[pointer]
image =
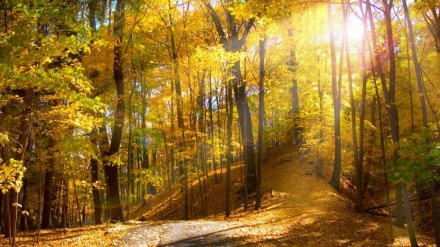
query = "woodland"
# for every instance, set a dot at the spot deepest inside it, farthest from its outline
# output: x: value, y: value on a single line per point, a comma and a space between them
x: 105, y: 104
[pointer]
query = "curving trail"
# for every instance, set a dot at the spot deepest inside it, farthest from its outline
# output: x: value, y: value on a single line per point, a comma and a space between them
x: 302, y: 210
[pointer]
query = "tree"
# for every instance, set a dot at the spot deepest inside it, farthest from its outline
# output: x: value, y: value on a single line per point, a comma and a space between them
x: 14, y: 184
x: 260, y: 121
x: 422, y: 95
x: 336, y: 93
x: 231, y: 42
x: 110, y: 168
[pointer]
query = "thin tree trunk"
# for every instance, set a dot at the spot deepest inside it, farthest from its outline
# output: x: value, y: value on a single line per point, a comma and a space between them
x: 435, y: 213
x: 130, y: 150
x: 40, y: 190
x: 383, y: 152
x: 357, y: 159
x: 295, y: 96
x: 22, y: 139
x: 378, y: 68
x: 64, y: 187
x: 422, y: 95
x: 2, y: 215
x: 24, y: 217
x: 229, y: 110
x: 96, y: 185
x: 94, y: 137
x: 389, y: 94
x: 336, y: 92
x: 393, y: 117
x: 260, y: 121
x: 49, y: 187
x: 409, y: 220
x: 78, y: 208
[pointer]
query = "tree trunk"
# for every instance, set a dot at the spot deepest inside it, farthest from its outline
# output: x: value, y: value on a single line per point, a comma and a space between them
x: 356, y: 158
x: 110, y: 169
x: 46, y: 221
x: 295, y: 96
x: 383, y: 152
x: 336, y: 92
x: 260, y: 121
x: 130, y: 151
x: 433, y: 23
x: 422, y: 95
x: 64, y: 187
x: 2, y: 215
x: 229, y: 111
x: 233, y: 44
x: 24, y: 217
x: 409, y: 220
x: 244, y: 118
x: 435, y: 213
x: 389, y: 93
x: 22, y: 139
x: 96, y: 191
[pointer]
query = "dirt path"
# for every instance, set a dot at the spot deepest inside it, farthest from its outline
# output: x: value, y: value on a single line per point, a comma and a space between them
x: 302, y: 210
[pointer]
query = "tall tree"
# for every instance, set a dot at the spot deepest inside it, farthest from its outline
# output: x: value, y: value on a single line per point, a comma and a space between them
x: 431, y: 15
x: 22, y: 139
x: 356, y: 158
x: 232, y: 42
x: 260, y: 120
x: 49, y: 190
x: 110, y: 168
x: 230, y: 111
x: 336, y: 93
x: 295, y: 95
x: 94, y: 135
x: 389, y: 91
x: 422, y: 95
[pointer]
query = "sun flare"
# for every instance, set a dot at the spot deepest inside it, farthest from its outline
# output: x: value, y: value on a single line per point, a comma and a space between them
x: 354, y: 30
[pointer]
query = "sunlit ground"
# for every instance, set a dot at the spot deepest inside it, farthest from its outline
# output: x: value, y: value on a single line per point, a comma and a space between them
x: 302, y: 210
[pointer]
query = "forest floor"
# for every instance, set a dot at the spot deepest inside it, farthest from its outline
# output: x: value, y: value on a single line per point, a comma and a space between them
x: 299, y: 209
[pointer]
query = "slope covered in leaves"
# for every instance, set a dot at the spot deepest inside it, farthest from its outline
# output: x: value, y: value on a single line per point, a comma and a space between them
x: 299, y: 209
x: 305, y: 211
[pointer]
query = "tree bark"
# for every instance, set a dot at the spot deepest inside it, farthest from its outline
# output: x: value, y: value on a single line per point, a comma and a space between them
x: 295, y: 96
x: 96, y: 192
x: 110, y: 169
x: 390, y: 93
x: 24, y: 217
x: 2, y: 215
x: 64, y: 187
x: 422, y: 95
x: 22, y: 139
x: 336, y: 92
x: 46, y: 221
x: 409, y: 220
x: 229, y: 111
x: 260, y: 121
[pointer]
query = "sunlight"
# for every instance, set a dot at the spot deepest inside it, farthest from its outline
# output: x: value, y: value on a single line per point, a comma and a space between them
x: 354, y: 30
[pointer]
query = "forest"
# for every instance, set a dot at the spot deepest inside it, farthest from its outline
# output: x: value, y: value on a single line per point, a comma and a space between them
x: 105, y: 104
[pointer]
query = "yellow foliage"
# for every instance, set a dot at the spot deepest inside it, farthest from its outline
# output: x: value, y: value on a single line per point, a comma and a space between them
x: 11, y: 175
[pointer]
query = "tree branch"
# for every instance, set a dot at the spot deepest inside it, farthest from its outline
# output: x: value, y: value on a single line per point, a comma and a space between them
x: 217, y: 23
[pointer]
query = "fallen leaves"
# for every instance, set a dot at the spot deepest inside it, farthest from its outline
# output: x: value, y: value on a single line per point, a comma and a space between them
x: 299, y: 210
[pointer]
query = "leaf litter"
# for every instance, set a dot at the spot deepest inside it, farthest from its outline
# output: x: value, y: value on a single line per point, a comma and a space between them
x: 299, y: 209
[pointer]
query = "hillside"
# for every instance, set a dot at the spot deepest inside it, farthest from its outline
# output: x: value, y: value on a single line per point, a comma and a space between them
x: 299, y: 209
